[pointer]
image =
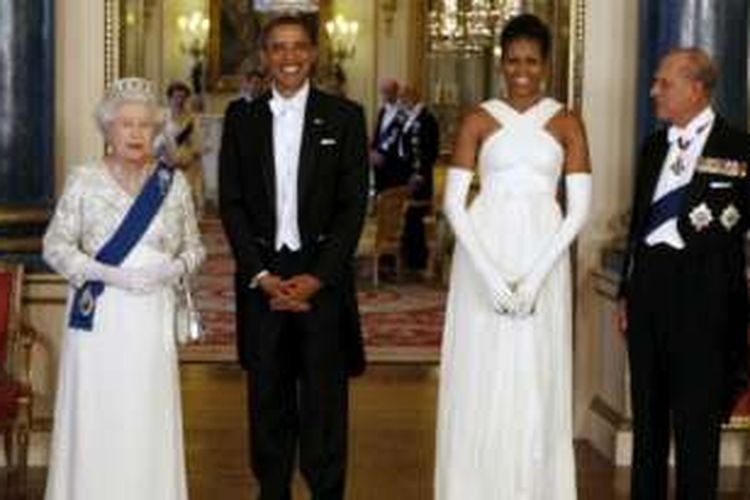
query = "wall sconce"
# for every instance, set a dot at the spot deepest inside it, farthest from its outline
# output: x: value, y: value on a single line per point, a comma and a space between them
x: 343, y: 36
x: 389, y: 8
x: 193, y: 33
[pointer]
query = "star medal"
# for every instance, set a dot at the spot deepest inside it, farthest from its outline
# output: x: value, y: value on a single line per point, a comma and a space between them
x: 701, y: 217
x: 730, y: 216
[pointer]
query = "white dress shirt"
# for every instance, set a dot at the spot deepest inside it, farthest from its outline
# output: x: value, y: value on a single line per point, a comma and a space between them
x: 288, y: 122
x: 696, y: 133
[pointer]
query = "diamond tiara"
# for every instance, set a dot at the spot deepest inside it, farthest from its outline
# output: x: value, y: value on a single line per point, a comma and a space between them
x: 132, y: 88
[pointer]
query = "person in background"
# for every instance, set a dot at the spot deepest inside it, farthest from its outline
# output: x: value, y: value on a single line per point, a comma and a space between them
x: 180, y: 143
x: 418, y: 148
x: 387, y: 168
x: 253, y: 85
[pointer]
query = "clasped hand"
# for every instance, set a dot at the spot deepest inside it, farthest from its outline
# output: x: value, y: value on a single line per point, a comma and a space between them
x: 516, y: 299
x: 291, y: 295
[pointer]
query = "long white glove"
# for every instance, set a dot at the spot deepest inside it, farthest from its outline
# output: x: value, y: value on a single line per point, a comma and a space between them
x: 166, y: 274
x: 578, y: 201
x: 454, y: 205
x: 136, y: 280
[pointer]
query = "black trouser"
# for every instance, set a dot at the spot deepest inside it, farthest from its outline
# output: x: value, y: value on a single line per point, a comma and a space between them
x: 298, y: 393
x: 676, y: 313
x: 413, y: 241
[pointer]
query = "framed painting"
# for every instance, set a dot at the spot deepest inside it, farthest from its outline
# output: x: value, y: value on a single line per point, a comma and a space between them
x: 234, y: 40
x: 233, y: 46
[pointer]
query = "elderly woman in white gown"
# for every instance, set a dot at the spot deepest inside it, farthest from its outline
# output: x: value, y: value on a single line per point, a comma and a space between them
x: 124, y: 232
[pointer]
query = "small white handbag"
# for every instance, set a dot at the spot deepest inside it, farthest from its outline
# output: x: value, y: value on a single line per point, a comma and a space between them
x: 188, y: 324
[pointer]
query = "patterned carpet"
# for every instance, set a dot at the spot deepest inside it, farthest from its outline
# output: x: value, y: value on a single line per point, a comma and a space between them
x: 401, y: 323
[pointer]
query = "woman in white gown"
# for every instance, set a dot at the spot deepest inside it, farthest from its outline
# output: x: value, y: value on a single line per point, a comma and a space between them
x: 504, y: 416
x: 117, y: 423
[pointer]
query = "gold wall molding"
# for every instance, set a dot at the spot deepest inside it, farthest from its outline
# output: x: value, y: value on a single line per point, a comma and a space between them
x: 111, y: 41
x: 24, y: 215
x: 21, y: 245
x: 577, y: 53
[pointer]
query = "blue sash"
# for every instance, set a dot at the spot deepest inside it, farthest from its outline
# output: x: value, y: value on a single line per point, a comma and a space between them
x: 128, y: 234
x: 184, y: 134
x: 665, y: 208
x: 388, y: 137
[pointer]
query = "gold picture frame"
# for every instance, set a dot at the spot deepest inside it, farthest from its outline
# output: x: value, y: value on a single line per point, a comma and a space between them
x: 234, y: 44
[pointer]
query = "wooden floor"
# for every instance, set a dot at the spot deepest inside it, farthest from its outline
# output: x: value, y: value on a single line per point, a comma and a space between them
x: 391, y: 444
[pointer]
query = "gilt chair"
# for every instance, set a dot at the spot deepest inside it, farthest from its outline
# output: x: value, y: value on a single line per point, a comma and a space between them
x: 16, y: 342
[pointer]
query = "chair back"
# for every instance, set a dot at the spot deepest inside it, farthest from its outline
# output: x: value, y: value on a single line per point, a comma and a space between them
x: 390, y: 208
x: 11, y: 280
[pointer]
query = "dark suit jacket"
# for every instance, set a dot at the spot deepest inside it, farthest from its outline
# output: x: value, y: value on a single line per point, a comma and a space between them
x: 419, y: 147
x: 718, y: 191
x: 332, y: 195
x: 239, y: 102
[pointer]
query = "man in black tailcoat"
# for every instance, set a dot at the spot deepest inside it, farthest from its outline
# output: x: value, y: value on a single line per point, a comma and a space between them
x: 293, y: 188
x: 684, y: 292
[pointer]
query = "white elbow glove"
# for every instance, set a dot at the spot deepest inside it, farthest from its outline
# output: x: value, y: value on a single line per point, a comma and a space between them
x: 118, y: 277
x: 578, y: 201
x: 167, y: 274
x: 136, y: 280
x: 457, y: 187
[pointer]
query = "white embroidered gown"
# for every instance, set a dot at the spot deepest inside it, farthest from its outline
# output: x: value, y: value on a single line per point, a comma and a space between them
x: 504, y: 418
x: 117, y: 424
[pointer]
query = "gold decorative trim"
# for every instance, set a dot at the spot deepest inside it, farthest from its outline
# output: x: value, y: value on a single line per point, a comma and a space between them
x: 44, y: 301
x: 29, y: 215
x: 613, y: 417
x: 21, y: 245
x: 577, y: 53
x: 605, y: 294
x: 111, y: 37
x: 44, y: 279
x: 738, y: 424
x: 417, y: 48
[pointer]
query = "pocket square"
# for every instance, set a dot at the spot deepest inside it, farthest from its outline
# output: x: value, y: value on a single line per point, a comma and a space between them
x: 327, y: 141
x: 719, y: 185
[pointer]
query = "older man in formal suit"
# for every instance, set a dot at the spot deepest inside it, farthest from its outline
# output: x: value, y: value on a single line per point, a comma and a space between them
x: 293, y: 188
x: 417, y: 148
x: 684, y: 291
x: 387, y: 167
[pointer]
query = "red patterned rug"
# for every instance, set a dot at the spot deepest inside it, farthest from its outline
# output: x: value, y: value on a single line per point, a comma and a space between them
x: 401, y: 322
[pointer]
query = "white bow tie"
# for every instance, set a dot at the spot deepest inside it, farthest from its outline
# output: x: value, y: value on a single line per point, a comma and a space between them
x: 675, y: 133
x: 280, y: 107
x: 684, y: 136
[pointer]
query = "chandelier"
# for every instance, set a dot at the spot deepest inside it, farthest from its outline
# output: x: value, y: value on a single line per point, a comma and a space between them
x: 286, y: 6
x: 467, y: 25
